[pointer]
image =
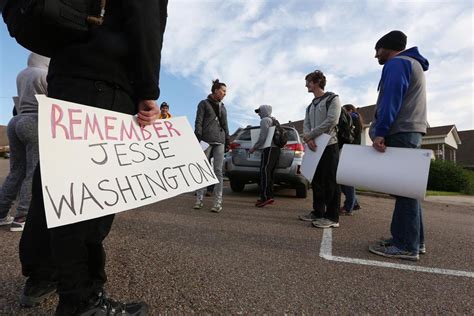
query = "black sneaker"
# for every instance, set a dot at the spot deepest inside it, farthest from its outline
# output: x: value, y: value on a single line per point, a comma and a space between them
x: 108, y: 307
x: 36, y: 292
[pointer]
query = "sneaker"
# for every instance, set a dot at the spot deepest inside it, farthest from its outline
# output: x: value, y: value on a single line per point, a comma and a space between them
x: 310, y: 217
x: 18, y: 224
x: 104, y: 306
x: 198, y: 205
x: 393, y: 252
x: 36, y: 292
x: 325, y: 223
x: 386, y: 242
x: 7, y: 220
x: 216, y: 208
x: 261, y: 203
x: 208, y: 193
x: 356, y: 207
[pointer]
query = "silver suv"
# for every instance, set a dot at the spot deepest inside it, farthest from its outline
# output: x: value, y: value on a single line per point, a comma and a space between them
x: 243, y: 168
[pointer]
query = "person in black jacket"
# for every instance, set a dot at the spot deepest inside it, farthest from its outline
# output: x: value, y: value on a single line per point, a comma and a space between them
x: 115, y: 68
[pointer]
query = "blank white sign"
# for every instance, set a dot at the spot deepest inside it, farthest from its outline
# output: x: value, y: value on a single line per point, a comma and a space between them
x: 397, y: 171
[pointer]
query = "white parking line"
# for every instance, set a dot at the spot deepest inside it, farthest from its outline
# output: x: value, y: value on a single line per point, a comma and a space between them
x: 326, y: 253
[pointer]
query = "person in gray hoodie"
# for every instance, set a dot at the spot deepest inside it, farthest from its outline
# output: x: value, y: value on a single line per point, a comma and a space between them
x: 322, y: 116
x: 23, y: 140
x: 270, y: 156
x: 400, y: 121
x: 211, y: 127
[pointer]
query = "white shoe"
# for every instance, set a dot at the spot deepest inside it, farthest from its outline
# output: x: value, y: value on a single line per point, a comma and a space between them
x: 325, y: 223
x: 198, y: 205
x: 216, y: 208
x: 17, y: 226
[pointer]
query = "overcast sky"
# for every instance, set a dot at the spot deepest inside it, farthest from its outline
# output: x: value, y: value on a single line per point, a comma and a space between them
x: 262, y: 50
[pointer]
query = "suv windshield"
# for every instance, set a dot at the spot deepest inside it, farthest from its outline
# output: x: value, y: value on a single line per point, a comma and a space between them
x: 245, y: 135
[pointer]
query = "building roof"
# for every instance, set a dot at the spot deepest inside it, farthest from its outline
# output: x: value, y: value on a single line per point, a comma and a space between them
x: 439, y: 130
x: 465, y: 153
x: 367, y: 113
x: 298, y: 125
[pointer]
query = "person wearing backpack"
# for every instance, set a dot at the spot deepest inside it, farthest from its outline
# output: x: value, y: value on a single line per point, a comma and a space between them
x: 269, y: 158
x: 322, y: 116
x: 350, y: 202
x: 116, y: 67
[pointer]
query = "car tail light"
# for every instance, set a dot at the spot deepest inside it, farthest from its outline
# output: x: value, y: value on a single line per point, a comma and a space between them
x: 233, y: 146
x: 294, y: 147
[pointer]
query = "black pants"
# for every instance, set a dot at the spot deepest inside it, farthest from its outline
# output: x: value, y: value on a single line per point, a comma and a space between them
x: 268, y: 164
x: 326, y: 192
x: 73, y: 253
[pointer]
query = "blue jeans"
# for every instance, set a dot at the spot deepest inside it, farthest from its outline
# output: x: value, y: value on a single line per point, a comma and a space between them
x: 407, y: 224
x: 350, y: 197
x: 215, y: 151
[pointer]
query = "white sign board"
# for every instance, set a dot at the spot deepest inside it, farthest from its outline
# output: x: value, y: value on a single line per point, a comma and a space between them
x: 255, y: 134
x: 397, y: 171
x: 312, y: 158
x: 96, y: 162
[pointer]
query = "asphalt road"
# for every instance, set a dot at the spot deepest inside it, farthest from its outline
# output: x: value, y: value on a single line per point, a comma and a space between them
x: 249, y: 260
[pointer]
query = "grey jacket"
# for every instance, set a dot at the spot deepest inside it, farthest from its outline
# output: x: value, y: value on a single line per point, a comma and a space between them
x: 401, y: 103
x: 31, y: 81
x: 207, y: 126
x: 318, y: 120
x: 265, y: 112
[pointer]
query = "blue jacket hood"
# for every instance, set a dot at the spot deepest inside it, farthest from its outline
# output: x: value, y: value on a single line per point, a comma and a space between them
x: 414, y: 53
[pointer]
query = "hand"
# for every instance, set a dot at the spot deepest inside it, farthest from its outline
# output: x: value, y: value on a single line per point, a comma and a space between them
x: 379, y: 144
x: 312, y: 145
x: 148, y: 112
x: 251, y: 150
x: 306, y: 138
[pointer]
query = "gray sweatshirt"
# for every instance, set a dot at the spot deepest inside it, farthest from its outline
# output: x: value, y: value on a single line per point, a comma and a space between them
x: 318, y: 120
x: 31, y: 81
x: 265, y: 112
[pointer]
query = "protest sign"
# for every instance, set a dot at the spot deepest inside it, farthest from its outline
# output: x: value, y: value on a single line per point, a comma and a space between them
x: 255, y: 134
x: 398, y: 171
x: 311, y: 158
x: 96, y: 162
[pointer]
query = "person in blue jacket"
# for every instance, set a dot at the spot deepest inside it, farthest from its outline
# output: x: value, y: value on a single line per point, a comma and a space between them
x: 400, y: 121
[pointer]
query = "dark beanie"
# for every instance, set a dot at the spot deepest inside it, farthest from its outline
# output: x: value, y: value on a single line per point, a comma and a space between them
x: 395, y: 40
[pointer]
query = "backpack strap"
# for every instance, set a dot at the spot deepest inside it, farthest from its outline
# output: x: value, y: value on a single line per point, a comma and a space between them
x: 329, y: 100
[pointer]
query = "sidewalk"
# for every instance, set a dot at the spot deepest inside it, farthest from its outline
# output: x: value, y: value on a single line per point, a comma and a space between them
x: 452, y: 199
x: 467, y: 200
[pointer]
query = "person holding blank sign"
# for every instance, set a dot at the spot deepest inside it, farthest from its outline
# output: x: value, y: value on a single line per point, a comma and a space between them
x: 322, y: 116
x: 400, y: 121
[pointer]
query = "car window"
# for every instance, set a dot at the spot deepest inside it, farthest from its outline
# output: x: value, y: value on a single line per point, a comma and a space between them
x: 245, y: 135
x: 292, y: 136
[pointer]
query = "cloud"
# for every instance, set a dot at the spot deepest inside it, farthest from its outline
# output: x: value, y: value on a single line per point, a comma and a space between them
x: 264, y: 49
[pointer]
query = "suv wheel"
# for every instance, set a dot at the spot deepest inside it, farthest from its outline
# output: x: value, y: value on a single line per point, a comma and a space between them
x: 301, y: 191
x: 236, y: 185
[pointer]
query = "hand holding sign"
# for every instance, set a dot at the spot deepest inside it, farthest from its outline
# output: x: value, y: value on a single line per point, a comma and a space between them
x: 148, y: 112
x: 117, y: 165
